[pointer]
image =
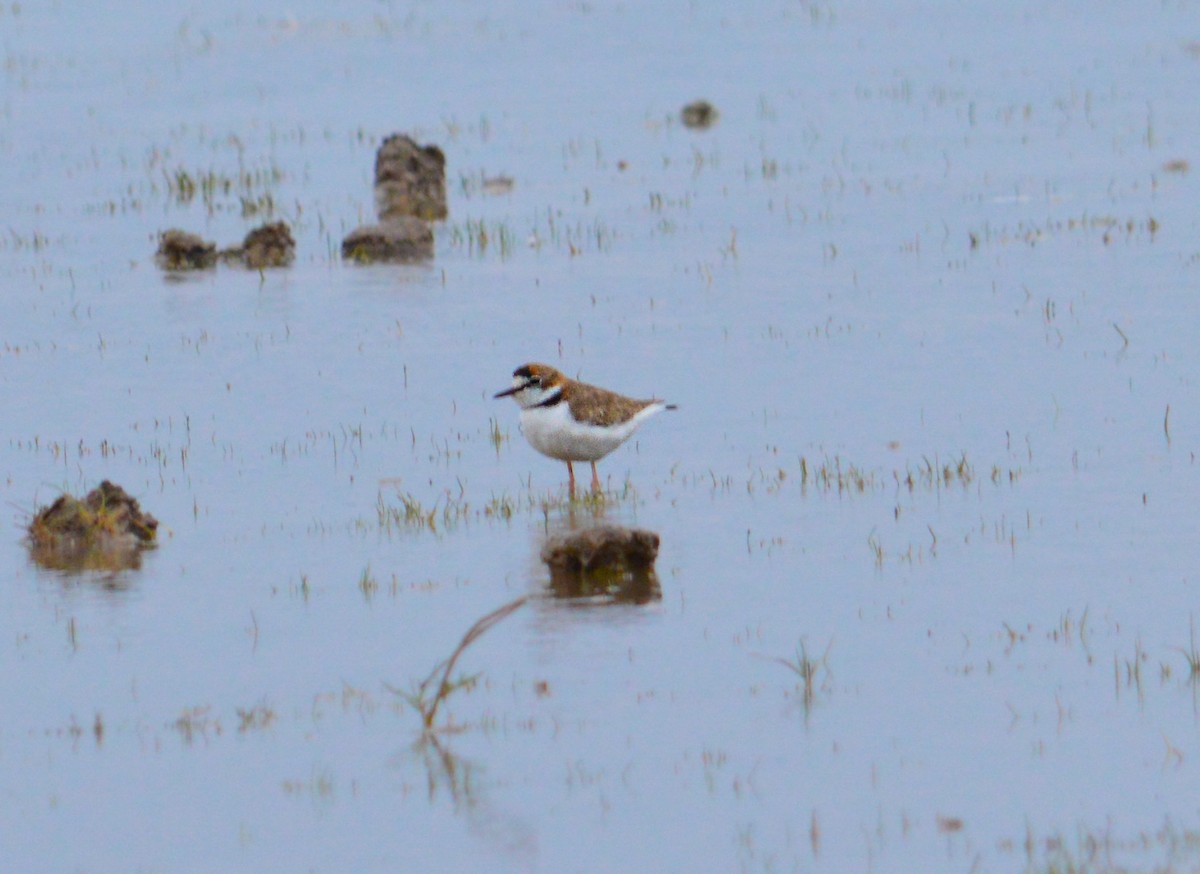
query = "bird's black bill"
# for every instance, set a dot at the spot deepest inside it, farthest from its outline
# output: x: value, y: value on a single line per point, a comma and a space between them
x: 507, y: 392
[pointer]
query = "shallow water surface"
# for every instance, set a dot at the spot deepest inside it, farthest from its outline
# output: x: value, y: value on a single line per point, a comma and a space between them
x: 924, y: 296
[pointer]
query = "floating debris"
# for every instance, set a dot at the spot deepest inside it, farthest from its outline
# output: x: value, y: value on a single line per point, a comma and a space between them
x: 107, y: 530
x: 402, y: 239
x: 609, y: 560
x: 179, y: 250
x: 270, y: 245
x: 410, y: 180
x: 699, y: 115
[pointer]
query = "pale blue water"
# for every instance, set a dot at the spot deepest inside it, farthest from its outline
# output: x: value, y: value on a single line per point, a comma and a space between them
x: 800, y: 279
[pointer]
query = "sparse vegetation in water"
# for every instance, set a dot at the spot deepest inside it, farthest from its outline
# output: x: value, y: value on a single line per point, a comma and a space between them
x: 806, y: 668
x: 1127, y: 672
x: 476, y: 235
x: 481, y: 183
x: 1191, y: 653
x: 497, y: 437
x: 837, y: 475
x: 876, y: 547
x: 1167, y: 849
x: 1069, y: 630
x: 1110, y: 227
x: 449, y: 510
x: 256, y: 718
x: 247, y: 191
x: 481, y: 236
x: 320, y: 786
x: 196, y: 723
x: 428, y: 696
x: 367, y: 584
x: 936, y: 473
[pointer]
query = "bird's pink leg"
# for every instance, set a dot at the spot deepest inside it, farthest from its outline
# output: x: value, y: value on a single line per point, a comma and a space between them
x: 595, y: 478
x: 571, y: 475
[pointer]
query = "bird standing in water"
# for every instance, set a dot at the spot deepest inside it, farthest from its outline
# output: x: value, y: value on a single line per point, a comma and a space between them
x: 574, y: 421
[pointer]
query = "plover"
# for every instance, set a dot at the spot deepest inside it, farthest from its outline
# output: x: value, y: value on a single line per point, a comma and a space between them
x: 574, y: 421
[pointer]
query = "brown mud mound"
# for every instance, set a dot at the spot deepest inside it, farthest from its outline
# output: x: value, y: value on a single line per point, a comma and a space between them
x: 410, y: 191
x: 267, y: 246
x: 606, y: 560
x: 699, y: 115
x: 270, y: 245
x: 105, y: 531
x: 410, y: 179
x: 179, y: 250
x: 402, y: 239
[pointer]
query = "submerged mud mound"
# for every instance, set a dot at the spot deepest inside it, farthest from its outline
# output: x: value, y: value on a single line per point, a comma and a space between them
x: 270, y: 245
x: 107, y: 530
x: 403, y: 239
x: 410, y: 192
x: 179, y: 250
x: 699, y: 115
x: 410, y: 179
x: 607, y: 560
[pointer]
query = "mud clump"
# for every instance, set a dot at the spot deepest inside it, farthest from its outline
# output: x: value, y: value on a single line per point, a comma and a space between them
x: 699, y: 115
x: 267, y: 246
x: 179, y: 250
x: 106, y: 530
x: 410, y: 192
x: 410, y: 180
x: 402, y: 239
x: 270, y: 245
x: 606, y: 560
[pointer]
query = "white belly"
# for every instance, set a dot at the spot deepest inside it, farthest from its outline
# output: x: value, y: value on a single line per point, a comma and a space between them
x: 552, y: 431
